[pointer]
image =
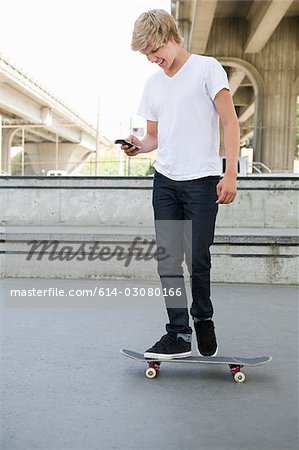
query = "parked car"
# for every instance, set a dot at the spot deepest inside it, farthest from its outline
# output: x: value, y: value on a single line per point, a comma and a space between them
x: 56, y: 173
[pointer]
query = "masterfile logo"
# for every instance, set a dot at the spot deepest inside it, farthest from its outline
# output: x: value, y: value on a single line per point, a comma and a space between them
x: 139, y: 250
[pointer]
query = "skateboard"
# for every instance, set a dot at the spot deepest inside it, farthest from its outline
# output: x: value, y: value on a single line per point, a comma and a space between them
x: 235, y: 363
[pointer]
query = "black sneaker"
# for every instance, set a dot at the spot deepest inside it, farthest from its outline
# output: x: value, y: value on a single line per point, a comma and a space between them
x: 169, y: 347
x: 206, y: 339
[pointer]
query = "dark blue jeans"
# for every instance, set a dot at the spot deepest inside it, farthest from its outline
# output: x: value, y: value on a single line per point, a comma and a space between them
x: 185, y: 215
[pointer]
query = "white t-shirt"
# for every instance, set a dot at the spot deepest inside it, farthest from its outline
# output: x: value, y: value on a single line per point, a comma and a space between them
x: 188, y: 122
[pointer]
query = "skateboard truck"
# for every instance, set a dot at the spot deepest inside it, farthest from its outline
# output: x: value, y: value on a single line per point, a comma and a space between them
x: 152, y: 370
x: 238, y: 375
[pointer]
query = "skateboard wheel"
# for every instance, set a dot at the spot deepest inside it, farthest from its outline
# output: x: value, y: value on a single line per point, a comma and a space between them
x: 239, y: 377
x: 150, y: 373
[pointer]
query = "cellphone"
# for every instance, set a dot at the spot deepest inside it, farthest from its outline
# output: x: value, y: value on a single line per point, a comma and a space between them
x: 124, y: 142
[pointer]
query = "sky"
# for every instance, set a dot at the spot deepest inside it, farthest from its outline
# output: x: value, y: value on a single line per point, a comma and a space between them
x: 80, y: 50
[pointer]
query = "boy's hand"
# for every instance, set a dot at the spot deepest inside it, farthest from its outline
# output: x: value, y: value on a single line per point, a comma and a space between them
x: 226, y: 189
x: 132, y: 151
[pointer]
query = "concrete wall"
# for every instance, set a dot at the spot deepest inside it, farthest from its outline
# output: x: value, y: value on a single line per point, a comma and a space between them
x: 256, y: 239
x: 262, y: 202
x: 239, y: 255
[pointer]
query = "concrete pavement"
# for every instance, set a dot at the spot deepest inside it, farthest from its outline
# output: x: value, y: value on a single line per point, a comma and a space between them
x: 65, y: 385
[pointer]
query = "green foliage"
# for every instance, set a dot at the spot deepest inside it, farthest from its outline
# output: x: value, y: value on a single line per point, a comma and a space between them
x: 109, y: 166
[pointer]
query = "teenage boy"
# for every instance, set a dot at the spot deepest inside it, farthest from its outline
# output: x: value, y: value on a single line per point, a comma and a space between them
x: 182, y: 104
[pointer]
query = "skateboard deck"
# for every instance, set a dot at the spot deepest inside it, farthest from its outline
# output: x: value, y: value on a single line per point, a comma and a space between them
x: 235, y: 363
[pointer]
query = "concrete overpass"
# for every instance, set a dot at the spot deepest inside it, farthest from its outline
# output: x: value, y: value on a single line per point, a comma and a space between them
x: 34, y: 119
x: 256, y: 43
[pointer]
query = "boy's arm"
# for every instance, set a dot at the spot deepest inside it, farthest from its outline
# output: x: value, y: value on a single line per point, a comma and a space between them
x: 227, y: 188
x: 148, y: 143
x: 150, y: 140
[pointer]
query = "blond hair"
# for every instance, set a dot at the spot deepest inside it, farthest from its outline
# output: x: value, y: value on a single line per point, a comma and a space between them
x: 154, y: 28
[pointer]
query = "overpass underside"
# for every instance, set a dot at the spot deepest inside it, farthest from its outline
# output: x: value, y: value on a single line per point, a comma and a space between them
x: 38, y: 132
x: 256, y: 43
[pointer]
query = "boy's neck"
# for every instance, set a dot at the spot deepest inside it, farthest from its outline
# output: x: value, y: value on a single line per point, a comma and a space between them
x: 179, y: 60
